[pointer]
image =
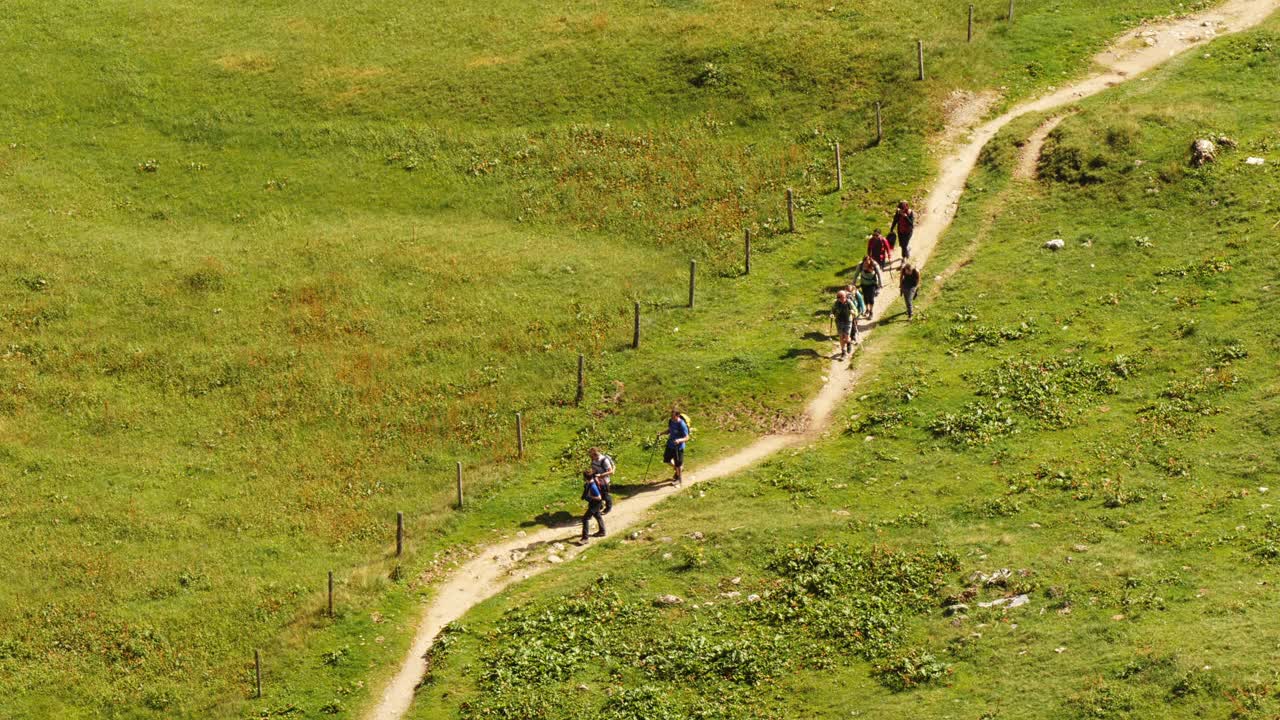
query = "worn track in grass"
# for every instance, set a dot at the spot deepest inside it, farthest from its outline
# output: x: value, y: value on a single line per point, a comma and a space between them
x: 501, y: 565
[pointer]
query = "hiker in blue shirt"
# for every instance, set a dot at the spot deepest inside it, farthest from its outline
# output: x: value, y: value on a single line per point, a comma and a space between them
x: 677, y: 433
x: 595, y: 501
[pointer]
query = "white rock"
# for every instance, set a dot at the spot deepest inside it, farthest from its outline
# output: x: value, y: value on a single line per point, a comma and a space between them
x: 1255, y: 161
x: 1055, y: 244
x: 753, y: 598
x: 731, y: 594
x: 667, y: 600
x: 697, y: 536
x: 736, y: 581
x: 666, y: 556
x: 554, y: 559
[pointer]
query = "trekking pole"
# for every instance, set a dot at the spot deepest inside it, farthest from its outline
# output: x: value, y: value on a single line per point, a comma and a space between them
x: 649, y: 465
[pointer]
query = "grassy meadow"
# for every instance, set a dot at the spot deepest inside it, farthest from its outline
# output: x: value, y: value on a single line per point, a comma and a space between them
x: 270, y: 269
x: 1053, y: 498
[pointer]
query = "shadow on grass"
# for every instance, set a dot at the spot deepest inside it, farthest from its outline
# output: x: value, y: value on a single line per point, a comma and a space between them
x: 557, y: 519
x: 622, y: 492
x: 816, y: 335
x: 794, y: 353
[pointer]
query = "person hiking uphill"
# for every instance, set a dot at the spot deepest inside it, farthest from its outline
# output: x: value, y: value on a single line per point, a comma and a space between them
x: 602, y: 468
x: 595, y: 500
x: 846, y: 310
x: 908, y: 284
x: 869, y: 280
x: 904, y: 226
x: 879, y: 249
x: 677, y: 433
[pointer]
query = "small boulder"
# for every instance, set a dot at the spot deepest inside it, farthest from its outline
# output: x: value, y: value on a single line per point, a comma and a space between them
x: 957, y: 609
x: 1255, y: 161
x: 1055, y: 244
x: 697, y: 536
x: 554, y: 559
x: 667, y: 600
x: 753, y: 598
x: 1203, y: 152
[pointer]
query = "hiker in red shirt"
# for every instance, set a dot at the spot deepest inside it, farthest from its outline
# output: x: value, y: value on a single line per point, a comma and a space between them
x: 878, y: 249
x: 904, y: 226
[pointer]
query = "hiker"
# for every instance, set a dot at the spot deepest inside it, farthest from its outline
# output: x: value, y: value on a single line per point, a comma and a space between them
x: 878, y: 248
x: 595, y: 500
x: 908, y: 284
x: 904, y: 226
x: 869, y: 280
x: 602, y: 468
x: 845, y: 311
x: 677, y: 433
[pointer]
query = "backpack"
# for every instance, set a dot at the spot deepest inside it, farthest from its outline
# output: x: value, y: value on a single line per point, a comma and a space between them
x: 687, y: 424
x: 610, y: 462
x: 586, y: 491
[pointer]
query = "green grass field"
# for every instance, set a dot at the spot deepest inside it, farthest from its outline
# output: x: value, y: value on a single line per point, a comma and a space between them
x: 1098, y: 423
x: 270, y: 270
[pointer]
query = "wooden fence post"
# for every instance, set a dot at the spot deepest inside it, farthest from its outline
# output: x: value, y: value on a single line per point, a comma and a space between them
x: 693, y: 280
x: 459, y: 485
x: 399, y: 533
x: 582, y: 386
x: 791, y: 211
x: 519, y: 435
x: 970, y: 24
x: 257, y: 674
x: 746, y: 249
x: 839, y: 170
x: 879, y: 125
x: 330, y: 593
x: 920, y: 57
x: 635, y: 336
x: 1010, y: 10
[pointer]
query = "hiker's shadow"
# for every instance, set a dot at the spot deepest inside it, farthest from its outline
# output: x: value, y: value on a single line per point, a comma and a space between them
x: 622, y: 492
x: 557, y: 519
x: 794, y: 353
x: 847, y: 271
x: 815, y: 335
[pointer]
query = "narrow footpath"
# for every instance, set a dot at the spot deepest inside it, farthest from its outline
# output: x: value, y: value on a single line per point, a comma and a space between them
x: 504, y: 564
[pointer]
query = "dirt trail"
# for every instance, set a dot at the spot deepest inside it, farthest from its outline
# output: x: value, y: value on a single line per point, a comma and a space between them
x: 501, y: 565
x: 1029, y: 153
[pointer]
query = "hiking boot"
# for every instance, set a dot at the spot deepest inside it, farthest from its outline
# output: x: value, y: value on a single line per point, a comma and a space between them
x: 598, y: 534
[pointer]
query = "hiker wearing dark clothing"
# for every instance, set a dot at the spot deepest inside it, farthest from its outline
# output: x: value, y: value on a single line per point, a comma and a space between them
x: 878, y: 249
x: 869, y: 280
x: 904, y: 226
x: 908, y: 284
x: 677, y: 433
x: 595, y: 501
x: 602, y: 468
x: 845, y: 311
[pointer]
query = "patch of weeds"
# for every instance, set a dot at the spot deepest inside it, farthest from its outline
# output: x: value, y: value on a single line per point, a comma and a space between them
x: 910, y: 669
x: 1266, y: 546
x: 1050, y: 391
x: 1226, y: 354
x: 967, y: 336
x: 882, y: 420
x: 1117, y: 493
x: 337, y: 656
x: 997, y: 507
x: 977, y: 424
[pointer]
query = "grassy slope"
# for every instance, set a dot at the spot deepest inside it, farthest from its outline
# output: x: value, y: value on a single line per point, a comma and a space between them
x: 1130, y: 490
x: 371, y: 235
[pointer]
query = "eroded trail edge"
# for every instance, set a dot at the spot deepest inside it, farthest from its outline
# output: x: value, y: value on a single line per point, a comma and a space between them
x: 504, y: 564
